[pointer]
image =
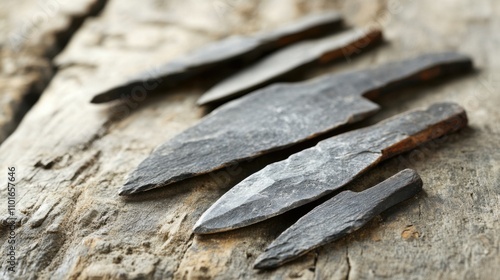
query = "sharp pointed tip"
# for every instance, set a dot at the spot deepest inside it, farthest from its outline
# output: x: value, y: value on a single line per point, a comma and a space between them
x: 201, y: 228
x: 197, y: 226
x: 97, y: 99
x: 202, y: 101
x: 263, y: 262
x: 103, y: 98
x: 108, y: 95
x: 258, y: 265
x: 210, y: 226
x: 128, y: 189
x: 211, y: 97
x: 197, y: 229
x: 124, y: 191
x: 131, y: 187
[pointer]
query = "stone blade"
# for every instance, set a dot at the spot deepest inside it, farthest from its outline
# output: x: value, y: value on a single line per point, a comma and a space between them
x: 226, y: 51
x: 326, y: 167
x: 279, y: 116
x: 337, y: 217
x: 290, y: 59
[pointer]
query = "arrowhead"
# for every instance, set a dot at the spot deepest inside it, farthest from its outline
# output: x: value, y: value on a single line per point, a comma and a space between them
x: 290, y: 59
x: 326, y: 167
x: 279, y: 116
x: 232, y: 133
x: 337, y: 217
x: 225, y: 52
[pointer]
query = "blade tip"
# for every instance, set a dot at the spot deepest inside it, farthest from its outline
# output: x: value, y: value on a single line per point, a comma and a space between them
x: 198, y: 230
x: 128, y: 189
x: 198, y: 227
x: 265, y: 263
x: 200, y: 102
x: 124, y: 192
x: 202, y: 228
x: 97, y: 99
x: 210, y: 226
x: 109, y: 95
x: 133, y: 186
x: 203, y: 100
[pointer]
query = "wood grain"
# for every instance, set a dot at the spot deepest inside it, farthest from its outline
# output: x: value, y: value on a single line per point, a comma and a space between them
x: 31, y: 34
x: 73, y: 225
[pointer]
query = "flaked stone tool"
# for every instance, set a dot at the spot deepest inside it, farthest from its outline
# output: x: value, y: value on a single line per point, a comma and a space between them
x: 344, y: 213
x: 225, y: 52
x: 292, y: 59
x: 282, y: 115
x: 331, y: 164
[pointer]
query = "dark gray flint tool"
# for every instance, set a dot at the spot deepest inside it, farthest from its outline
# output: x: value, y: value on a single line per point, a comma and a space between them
x: 279, y: 116
x: 337, y: 217
x: 292, y: 58
x: 224, y: 52
x: 326, y: 167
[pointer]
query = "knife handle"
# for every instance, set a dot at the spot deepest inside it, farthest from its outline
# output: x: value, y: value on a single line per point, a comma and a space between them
x: 370, y: 38
x: 439, y: 119
x: 417, y: 70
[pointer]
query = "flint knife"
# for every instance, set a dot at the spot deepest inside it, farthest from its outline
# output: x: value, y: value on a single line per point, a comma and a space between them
x: 291, y: 59
x: 344, y: 213
x: 282, y: 115
x: 331, y: 164
x: 227, y: 51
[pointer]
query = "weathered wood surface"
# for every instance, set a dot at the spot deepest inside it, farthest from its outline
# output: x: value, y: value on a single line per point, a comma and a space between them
x: 72, y: 156
x: 282, y: 115
x: 331, y: 164
x: 344, y: 213
x: 215, y: 55
x: 31, y: 34
x: 298, y: 56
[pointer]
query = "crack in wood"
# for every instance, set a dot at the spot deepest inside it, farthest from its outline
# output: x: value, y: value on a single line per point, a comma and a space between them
x: 28, y: 97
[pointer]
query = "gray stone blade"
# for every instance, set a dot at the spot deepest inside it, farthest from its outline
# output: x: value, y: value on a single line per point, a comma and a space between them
x: 286, y: 60
x: 326, y: 167
x: 279, y: 116
x: 337, y: 217
x: 226, y: 51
